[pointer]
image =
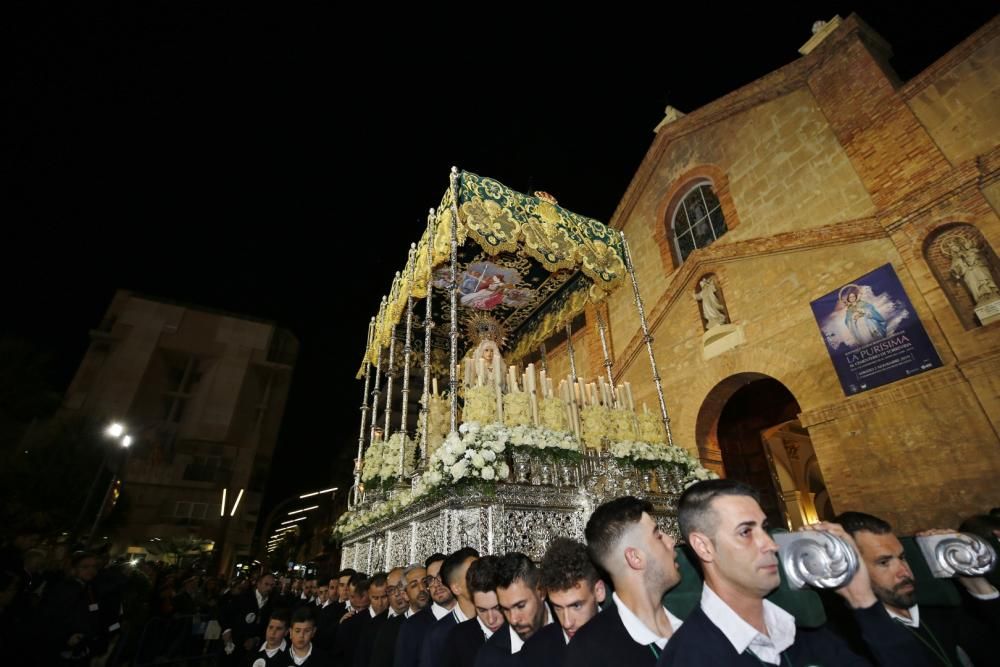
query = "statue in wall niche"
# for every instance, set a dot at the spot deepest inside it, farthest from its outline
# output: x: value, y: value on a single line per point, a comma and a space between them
x: 711, y: 307
x: 968, y: 264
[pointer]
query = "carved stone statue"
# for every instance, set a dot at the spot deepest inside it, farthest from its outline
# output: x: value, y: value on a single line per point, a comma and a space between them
x: 711, y: 307
x: 968, y: 264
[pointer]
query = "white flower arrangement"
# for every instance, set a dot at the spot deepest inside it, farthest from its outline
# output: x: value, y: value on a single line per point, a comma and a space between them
x: 651, y: 454
x: 475, y: 452
x: 553, y: 443
x: 372, y: 462
x: 389, y: 467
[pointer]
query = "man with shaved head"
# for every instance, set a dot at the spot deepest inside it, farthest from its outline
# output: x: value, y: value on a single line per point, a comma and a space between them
x: 625, y: 540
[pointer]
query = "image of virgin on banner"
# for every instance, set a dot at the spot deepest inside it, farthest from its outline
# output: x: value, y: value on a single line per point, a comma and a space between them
x: 872, y: 332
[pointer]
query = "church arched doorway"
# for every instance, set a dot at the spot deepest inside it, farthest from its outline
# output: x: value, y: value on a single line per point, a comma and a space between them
x: 749, y: 425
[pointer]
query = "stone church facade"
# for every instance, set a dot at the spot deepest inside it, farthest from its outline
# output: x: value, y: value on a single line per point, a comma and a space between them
x: 810, y: 177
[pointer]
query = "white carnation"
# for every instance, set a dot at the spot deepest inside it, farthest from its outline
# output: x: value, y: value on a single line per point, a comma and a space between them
x: 487, y: 473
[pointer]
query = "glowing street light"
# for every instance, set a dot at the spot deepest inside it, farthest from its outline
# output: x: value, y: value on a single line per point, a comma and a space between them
x: 301, y: 518
x: 304, y: 509
x: 316, y: 493
x: 126, y: 440
x: 115, y: 430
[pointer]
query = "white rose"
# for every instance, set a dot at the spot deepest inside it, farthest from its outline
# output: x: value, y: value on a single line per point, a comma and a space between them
x: 504, y: 471
x: 459, y: 469
x: 478, y: 461
x: 489, y: 455
x: 498, y: 446
x: 487, y: 473
x: 448, y: 459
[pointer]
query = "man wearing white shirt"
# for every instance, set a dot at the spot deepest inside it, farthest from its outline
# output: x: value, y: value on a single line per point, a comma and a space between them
x: 465, y: 639
x: 625, y: 540
x: 406, y: 598
x: 575, y: 592
x: 452, y: 576
x: 414, y: 630
x: 938, y: 630
x: 522, y: 600
x: 726, y: 528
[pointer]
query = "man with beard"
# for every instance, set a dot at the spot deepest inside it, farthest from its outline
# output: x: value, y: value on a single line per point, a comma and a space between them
x: 522, y: 600
x: 575, y: 592
x: 412, y: 591
x: 396, y: 605
x: 722, y: 521
x: 625, y: 540
x: 452, y: 577
x: 415, y: 629
x: 938, y: 630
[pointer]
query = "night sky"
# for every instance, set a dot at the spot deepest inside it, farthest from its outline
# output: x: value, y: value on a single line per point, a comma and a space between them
x: 279, y: 161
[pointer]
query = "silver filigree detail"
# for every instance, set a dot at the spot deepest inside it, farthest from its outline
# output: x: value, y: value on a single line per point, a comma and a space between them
x: 817, y: 559
x: 958, y: 554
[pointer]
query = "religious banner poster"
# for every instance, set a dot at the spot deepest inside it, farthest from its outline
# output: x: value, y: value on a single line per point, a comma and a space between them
x: 872, y: 332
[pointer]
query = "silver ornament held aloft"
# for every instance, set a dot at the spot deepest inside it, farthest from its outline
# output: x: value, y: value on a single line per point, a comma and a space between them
x: 816, y: 559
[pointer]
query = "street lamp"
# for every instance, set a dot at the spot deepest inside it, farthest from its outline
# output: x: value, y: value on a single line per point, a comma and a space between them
x: 117, y: 431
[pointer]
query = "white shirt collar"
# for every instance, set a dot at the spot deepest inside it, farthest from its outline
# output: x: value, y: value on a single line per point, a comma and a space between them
x: 485, y: 628
x: 439, y: 611
x: 516, y: 643
x: 743, y: 636
x: 296, y: 659
x: 459, y: 615
x: 637, y: 630
x: 392, y: 613
x: 261, y: 600
x: 913, y: 621
x: 271, y: 651
x: 371, y: 611
x: 409, y: 612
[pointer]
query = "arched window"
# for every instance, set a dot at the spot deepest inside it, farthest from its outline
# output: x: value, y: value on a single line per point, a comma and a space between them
x: 698, y: 220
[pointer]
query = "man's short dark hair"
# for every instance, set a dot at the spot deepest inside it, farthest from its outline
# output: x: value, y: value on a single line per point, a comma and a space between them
x: 609, y: 522
x: 358, y: 581
x: 453, y: 562
x: 565, y: 563
x: 694, y: 509
x: 378, y: 579
x: 303, y: 615
x: 514, y: 566
x: 282, y: 615
x: 433, y: 558
x: 346, y: 572
x: 482, y: 575
x: 854, y: 522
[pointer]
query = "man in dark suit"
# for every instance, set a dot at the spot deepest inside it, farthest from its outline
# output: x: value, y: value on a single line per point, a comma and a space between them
x: 415, y: 629
x: 353, y: 623
x: 575, y: 592
x: 395, y: 605
x: 465, y: 639
x: 453, y: 578
x: 522, y: 600
x: 625, y: 541
x: 246, y: 616
x: 412, y: 590
x: 734, y: 625
x: 935, y: 629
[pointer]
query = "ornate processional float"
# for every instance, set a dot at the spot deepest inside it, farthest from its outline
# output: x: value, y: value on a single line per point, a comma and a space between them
x: 502, y: 455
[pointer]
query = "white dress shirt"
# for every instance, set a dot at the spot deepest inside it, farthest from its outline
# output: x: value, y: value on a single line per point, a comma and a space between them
x: 743, y: 636
x: 439, y: 611
x: 637, y: 630
x: 296, y: 659
x: 485, y: 628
